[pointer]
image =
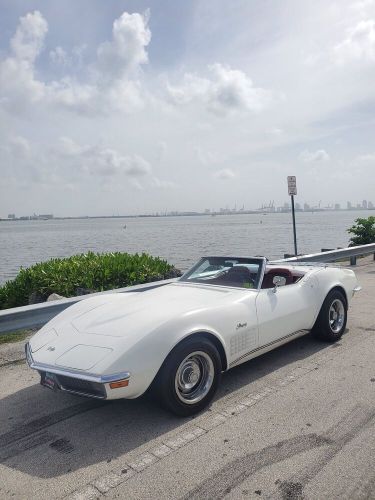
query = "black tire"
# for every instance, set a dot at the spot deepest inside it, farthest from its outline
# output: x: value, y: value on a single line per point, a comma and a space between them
x: 328, y: 326
x: 180, y: 367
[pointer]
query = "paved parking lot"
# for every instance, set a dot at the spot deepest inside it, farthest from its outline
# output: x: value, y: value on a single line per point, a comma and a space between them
x: 298, y: 422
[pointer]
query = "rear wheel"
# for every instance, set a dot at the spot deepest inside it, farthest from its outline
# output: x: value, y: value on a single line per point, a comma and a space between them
x: 331, y: 322
x: 189, y: 377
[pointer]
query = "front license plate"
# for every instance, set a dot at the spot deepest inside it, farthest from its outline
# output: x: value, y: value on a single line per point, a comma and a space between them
x: 48, y: 380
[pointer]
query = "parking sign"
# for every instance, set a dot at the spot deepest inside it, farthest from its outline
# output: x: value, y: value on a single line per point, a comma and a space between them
x: 292, y: 185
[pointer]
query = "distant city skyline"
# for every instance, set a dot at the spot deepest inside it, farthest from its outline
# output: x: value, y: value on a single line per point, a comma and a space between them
x: 270, y: 208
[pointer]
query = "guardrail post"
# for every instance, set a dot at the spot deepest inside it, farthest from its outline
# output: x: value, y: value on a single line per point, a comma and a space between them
x: 353, y: 260
x: 374, y: 256
x: 288, y: 255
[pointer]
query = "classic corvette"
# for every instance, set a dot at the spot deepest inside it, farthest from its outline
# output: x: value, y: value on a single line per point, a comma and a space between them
x: 177, y: 339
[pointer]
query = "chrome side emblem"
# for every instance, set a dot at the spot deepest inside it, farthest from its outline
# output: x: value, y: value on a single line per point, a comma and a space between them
x: 240, y: 325
x: 51, y: 348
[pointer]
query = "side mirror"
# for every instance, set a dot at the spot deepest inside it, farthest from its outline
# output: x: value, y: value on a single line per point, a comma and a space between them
x: 278, y: 281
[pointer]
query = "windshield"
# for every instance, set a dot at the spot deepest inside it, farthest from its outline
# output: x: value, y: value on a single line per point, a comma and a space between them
x: 239, y: 272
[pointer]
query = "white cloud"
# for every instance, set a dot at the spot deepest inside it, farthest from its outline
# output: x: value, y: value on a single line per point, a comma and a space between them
x: 359, y: 45
x: 27, y: 42
x: 192, y: 87
x: 72, y: 95
x: 137, y: 166
x: 126, y: 52
x: 59, y: 56
x: 19, y: 147
x: 163, y: 184
x: 224, y: 174
x: 18, y: 85
x: 314, y: 156
x: 367, y: 158
x: 226, y: 90
x: 112, y: 84
x: 276, y: 131
x: 69, y: 162
x: 102, y: 161
x: 207, y: 157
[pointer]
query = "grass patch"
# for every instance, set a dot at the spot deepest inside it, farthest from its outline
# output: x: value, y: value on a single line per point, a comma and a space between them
x: 11, y: 337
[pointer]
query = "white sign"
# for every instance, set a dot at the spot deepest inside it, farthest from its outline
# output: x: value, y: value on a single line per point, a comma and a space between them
x: 292, y: 185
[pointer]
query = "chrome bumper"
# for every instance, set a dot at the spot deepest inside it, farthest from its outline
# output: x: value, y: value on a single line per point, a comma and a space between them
x: 74, y: 375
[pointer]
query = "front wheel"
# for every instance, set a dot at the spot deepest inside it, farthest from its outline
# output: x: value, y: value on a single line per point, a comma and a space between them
x: 189, y: 377
x: 331, y: 322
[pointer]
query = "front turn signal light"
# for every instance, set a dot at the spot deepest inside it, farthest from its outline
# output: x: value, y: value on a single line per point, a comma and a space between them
x: 119, y: 383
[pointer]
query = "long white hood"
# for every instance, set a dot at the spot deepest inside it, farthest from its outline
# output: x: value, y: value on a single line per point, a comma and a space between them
x: 117, y: 322
x: 121, y: 315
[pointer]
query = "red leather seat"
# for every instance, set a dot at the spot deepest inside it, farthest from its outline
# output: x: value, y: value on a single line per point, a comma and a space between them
x: 271, y: 273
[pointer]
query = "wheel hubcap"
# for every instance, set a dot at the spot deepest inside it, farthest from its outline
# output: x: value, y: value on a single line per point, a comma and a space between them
x: 336, y: 316
x: 194, y: 377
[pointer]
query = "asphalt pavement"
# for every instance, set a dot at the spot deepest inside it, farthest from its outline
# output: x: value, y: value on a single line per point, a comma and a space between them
x: 298, y: 422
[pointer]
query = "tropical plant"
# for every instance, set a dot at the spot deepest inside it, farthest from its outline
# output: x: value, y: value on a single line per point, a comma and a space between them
x: 363, y: 231
x: 90, y: 272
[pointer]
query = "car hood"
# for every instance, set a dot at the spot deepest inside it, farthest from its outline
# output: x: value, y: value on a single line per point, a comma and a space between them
x: 118, y: 315
x: 97, y: 331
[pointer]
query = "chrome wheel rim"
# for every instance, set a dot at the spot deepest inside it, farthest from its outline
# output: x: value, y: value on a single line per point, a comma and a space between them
x: 194, y: 377
x: 336, y: 315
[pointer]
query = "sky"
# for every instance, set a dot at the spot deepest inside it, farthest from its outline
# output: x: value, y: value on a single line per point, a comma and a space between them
x: 129, y: 107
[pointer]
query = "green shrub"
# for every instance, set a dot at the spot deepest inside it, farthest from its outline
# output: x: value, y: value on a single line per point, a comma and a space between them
x: 363, y: 230
x: 90, y: 271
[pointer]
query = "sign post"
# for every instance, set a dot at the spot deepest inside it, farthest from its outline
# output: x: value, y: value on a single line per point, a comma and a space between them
x: 292, y: 191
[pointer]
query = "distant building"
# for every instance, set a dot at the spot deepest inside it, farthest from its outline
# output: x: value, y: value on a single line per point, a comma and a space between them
x: 337, y: 206
x: 364, y: 204
x: 348, y: 205
x: 306, y: 207
x: 11, y: 216
x: 370, y: 205
x: 45, y: 216
x: 359, y: 205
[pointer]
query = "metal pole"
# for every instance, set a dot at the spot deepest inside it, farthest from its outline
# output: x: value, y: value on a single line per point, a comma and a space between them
x: 294, y: 226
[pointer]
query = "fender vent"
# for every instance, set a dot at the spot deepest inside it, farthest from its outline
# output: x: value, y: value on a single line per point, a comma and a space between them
x: 242, y: 342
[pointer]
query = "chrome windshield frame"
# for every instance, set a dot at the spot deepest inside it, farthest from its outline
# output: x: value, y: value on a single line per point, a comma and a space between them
x: 262, y: 267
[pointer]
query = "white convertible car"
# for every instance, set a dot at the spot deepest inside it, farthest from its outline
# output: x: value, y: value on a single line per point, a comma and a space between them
x: 177, y: 339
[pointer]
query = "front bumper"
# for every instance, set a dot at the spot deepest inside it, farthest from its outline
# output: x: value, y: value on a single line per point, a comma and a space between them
x: 75, y: 381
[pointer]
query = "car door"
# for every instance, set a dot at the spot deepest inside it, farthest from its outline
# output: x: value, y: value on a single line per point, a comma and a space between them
x: 241, y: 325
x: 285, y: 310
x: 242, y: 329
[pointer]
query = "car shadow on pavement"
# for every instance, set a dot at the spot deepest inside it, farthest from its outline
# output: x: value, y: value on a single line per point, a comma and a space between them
x: 51, y: 434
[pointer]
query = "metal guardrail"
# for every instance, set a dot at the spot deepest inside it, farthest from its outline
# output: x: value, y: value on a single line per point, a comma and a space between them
x: 37, y: 315
x: 334, y: 255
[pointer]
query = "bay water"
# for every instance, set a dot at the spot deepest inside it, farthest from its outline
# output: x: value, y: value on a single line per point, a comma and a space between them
x: 180, y: 240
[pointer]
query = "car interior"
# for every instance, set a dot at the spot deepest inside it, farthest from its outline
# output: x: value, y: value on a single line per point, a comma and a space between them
x: 291, y: 276
x: 241, y: 276
x: 244, y: 274
x: 236, y: 276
